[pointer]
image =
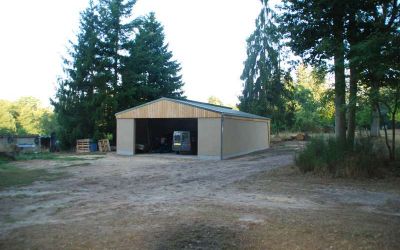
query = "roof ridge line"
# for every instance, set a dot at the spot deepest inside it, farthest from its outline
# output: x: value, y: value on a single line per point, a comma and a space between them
x: 205, y: 103
x: 213, y: 108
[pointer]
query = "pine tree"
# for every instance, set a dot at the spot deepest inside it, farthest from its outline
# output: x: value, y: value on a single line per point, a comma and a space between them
x: 115, y: 31
x: 109, y: 69
x: 149, y: 72
x: 264, y: 92
x: 76, y: 98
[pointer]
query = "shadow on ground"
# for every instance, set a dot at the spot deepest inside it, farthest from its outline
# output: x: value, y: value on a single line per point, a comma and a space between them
x: 198, y: 236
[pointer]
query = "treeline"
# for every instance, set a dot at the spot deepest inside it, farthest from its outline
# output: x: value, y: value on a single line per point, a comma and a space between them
x: 357, y: 42
x: 117, y: 62
x: 26, y: 116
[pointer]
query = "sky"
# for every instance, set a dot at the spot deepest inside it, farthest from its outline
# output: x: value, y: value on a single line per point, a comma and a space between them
x: 208, y: 38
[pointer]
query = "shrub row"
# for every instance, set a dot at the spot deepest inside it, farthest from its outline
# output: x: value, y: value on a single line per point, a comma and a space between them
x: 328, y: 157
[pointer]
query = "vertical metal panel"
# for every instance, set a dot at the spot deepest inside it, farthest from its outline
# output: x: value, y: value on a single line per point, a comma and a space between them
x: 243, y: 136
x: 209, y: 138
x: 126, y: 136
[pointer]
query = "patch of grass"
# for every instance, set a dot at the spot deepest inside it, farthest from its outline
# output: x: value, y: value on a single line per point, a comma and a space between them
x: 77, y: 165
x: 14, y: 176
x: 36, y: 156
x: 45, y: 156
x: 53, y: 156
x: 4, y: 160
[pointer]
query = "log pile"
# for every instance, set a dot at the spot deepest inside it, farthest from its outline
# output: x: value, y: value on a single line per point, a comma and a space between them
x: 104, y: 145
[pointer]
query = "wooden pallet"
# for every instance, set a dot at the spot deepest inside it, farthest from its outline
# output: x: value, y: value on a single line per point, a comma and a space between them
x: 83, y: 146
x: 104, y: 145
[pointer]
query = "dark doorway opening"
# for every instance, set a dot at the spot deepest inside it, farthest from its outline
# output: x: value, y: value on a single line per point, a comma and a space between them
x: 155, y: 135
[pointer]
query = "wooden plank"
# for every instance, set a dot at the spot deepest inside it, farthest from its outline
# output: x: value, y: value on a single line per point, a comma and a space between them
x: 83, y: 145
x: 104, y: 145
x: 168, y: 109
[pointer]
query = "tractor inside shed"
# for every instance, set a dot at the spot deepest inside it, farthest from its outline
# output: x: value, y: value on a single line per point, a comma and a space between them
x: 155, y: 135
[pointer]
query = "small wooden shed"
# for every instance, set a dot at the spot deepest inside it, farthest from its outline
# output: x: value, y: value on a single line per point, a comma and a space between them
x: 220, y: 131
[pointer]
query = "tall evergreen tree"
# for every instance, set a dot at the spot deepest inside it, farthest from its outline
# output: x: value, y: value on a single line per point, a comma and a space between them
x: 149, y: 72
x: 75, y: 100
x: 264, y: 91
x: 115, y: 34
x: 110, y: 69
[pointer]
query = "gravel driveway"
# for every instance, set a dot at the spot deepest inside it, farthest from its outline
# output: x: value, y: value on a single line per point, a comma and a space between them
x: 169, y: 202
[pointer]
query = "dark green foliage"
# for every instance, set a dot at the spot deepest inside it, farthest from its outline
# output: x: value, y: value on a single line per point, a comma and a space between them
x: 46, y: 156
x: 149, y: 71
x: 81, y: 92
x: 266, y: 88
x: 328, y: 157
x: 109, y: 69
x: 361, y: 37
x: 307, y: 117
x: 314, y: 103
x: 114, y: 37
x: 315, y: 30
x: 378, y: 56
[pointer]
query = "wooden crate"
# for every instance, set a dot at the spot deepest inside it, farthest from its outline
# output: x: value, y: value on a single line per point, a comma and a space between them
x: 104, y: 145
x: 83, y: 146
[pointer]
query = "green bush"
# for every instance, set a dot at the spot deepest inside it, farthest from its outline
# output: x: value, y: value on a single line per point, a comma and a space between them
x: 329, y: 157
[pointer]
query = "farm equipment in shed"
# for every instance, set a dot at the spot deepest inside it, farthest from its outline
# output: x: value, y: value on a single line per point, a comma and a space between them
x: 182, y: 142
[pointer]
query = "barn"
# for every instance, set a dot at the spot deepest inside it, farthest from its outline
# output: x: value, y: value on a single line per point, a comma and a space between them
x: 218, y: 132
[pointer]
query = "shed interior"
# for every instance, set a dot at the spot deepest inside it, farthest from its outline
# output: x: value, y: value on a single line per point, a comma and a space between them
x: 150, y: 133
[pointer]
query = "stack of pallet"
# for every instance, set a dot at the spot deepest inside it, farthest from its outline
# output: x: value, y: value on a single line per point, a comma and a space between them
x: 83, y: 146
x: 104, y: 145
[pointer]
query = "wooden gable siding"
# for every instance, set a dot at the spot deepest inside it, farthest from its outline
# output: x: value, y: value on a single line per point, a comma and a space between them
x: 167, y: 109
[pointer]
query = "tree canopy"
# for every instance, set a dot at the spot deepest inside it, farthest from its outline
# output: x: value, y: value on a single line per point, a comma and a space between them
x: 26, y: 116
x: 117, y: 62
x: 353, y: 43
x: 265, y: 88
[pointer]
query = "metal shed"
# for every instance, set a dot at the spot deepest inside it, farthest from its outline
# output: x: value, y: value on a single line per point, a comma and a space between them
x: 221, y: 131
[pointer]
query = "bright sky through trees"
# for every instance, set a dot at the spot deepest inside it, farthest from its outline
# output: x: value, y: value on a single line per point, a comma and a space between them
x: 207, y: 37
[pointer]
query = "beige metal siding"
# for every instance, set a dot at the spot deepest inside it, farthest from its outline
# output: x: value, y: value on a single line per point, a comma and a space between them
x: 125, y: 136
x: 209, y: 137
x: 167, y: 109
x: 243, y: 136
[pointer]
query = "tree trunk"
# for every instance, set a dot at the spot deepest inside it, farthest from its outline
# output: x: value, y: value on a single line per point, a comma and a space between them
x: 375, y: 123
x: 352, y: 38
x: 393, y: 136
x: 375, y: 127
x: 352, y: 105
x: 386, y: 135
x: 394, y: 112
x: 340, y: 83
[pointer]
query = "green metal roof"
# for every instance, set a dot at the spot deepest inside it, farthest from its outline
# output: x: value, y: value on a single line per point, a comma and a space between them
x: 207, y: 106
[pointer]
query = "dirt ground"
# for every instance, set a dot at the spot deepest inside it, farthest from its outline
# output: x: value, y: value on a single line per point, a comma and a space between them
x: 260, y: 201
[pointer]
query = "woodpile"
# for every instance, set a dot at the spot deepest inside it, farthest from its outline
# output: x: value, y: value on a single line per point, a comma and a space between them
x: 104, y: 145
x: 298, y: 137
x: 83, y: 146
x: 301, y: 137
